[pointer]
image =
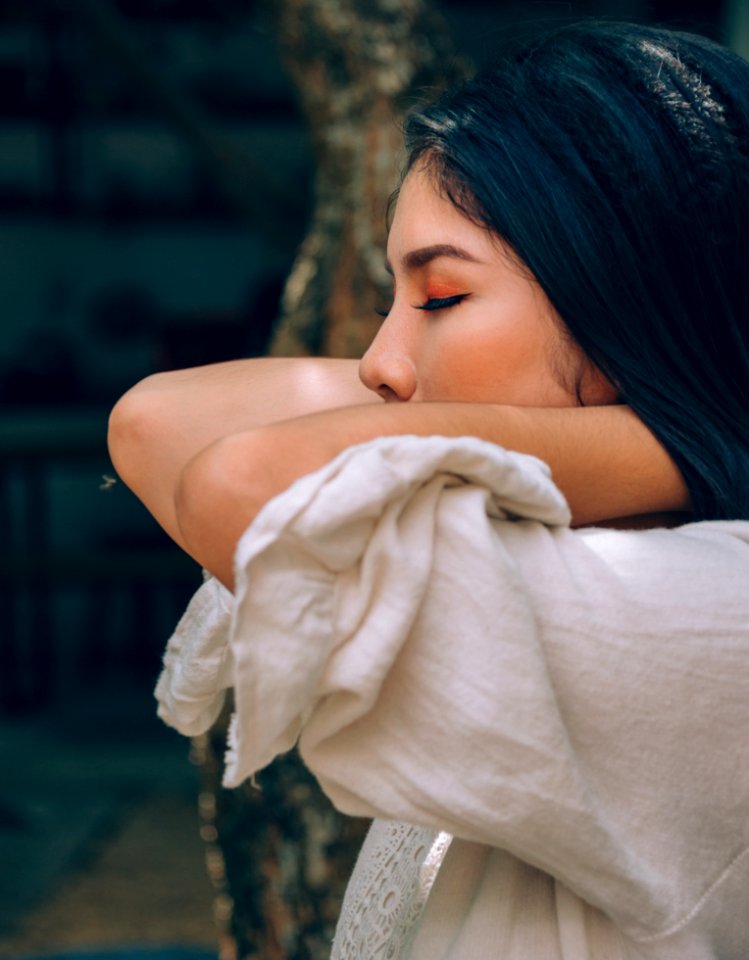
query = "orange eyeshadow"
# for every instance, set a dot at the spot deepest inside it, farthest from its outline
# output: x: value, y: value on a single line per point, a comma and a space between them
x: 437, y: 291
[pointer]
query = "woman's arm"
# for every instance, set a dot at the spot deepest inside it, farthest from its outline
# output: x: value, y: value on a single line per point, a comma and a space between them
x: 205, y: 448
x: 603, y: 458
x: 165, y: 420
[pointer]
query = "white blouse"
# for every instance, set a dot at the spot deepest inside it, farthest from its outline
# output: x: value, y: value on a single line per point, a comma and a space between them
x: 562, y: 716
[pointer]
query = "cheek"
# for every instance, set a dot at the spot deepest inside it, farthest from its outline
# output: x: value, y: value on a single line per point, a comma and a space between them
x: 495, y: 362
x: 457, y: 368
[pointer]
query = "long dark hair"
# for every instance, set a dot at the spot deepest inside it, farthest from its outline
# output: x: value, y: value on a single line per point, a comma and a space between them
x: 614, y: 160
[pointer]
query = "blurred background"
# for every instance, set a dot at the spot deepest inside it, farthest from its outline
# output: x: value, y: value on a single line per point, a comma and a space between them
x: 161, y: 164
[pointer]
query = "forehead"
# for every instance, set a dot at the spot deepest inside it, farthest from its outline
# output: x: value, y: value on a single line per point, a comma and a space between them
x: 424, y: 217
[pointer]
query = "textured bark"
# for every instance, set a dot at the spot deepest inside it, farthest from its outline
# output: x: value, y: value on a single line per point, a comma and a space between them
x: 356, y: 65
x: 280, y: 856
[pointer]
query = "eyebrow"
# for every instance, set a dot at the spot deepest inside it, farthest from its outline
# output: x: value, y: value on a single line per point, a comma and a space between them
x: 424, y: 255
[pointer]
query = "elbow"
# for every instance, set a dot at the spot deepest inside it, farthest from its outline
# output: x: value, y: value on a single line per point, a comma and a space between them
x: 129, y: 430
x: 140, y: 424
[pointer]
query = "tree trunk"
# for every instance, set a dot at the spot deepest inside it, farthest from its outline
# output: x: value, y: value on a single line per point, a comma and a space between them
x: 278, y: 855
x: 356, y: 65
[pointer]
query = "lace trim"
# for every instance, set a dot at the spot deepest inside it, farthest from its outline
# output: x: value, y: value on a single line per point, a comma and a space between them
x: 386, y: 895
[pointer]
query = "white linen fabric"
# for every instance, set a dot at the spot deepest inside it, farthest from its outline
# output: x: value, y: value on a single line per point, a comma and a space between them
x: 198, y: 667
x: 571, y: 706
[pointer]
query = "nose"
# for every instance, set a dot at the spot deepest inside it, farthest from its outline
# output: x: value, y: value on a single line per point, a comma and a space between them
x: 387, y: 367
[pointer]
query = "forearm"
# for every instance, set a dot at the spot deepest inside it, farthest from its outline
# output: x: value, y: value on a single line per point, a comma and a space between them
x: 166, y: 419
x: 603, y: 458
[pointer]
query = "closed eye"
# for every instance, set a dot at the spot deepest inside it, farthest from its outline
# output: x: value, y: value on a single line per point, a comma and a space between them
x: 441, y: 303
x: 433, y: 303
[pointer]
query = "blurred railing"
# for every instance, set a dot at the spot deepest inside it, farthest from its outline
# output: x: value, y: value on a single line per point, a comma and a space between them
x: 67, y: 531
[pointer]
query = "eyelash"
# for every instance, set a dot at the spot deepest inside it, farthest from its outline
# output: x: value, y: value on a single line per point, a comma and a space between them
x: 433, y: 303
x: 441, y: 303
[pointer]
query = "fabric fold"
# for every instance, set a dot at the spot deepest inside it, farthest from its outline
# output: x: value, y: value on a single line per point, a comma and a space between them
x: 317, y: 569
x: 198, y: 666
x: 449, y: 653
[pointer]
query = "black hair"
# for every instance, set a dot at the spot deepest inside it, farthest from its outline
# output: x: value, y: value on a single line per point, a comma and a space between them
x: 614, y: 160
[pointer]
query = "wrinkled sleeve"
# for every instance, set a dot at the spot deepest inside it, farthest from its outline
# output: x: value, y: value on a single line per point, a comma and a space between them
x: 448, y: 652
x: 332, y: 576
x: 198, y: 668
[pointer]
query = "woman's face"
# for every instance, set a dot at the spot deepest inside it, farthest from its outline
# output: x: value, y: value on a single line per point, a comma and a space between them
x: 467, y: 323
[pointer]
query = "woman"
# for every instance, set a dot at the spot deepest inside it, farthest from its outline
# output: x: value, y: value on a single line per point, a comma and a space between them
x: 550, y: 723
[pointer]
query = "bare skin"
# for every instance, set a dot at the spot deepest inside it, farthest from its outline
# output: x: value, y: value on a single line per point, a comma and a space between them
x: 470, y: 347
x: 166, y: 420
x: 205, y: 449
